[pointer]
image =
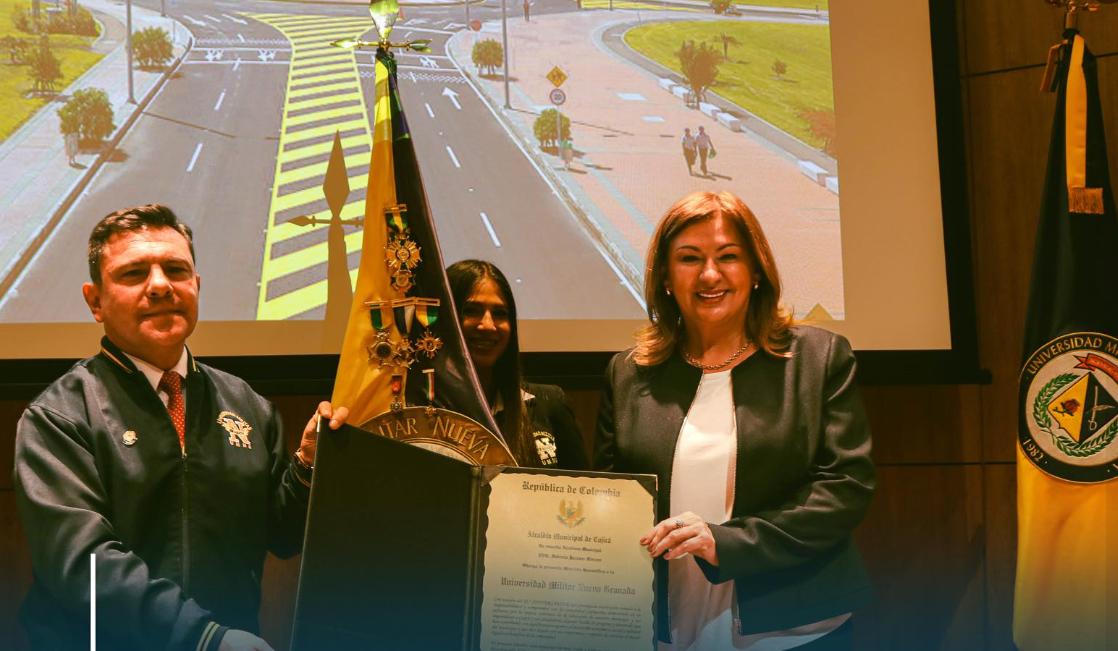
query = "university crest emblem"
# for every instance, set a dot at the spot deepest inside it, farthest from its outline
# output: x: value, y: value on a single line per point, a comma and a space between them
x: 570, y: 513
x: 237, y: 427
x: 1069, y: 399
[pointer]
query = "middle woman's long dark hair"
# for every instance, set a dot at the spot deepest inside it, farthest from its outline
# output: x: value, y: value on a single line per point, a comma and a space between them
x: 464, y: 277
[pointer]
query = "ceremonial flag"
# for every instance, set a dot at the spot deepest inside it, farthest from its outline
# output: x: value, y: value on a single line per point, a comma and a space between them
x: 1067, y: 462
x: 396, y: 202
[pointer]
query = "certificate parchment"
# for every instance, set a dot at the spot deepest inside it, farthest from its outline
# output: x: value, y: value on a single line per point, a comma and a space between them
x: 563, y: 568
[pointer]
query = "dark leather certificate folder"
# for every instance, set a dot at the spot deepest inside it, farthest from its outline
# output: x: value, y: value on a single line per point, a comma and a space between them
x: 399, y: 539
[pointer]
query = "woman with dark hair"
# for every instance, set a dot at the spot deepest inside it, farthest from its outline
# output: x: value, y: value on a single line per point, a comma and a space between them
x: 754, y: 427
x: 535, y: 419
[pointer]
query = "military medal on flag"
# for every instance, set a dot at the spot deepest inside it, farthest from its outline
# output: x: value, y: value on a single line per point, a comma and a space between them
x: 401, y: 287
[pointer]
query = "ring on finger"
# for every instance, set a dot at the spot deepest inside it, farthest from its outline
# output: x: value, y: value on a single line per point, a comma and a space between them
x: 679, y: 523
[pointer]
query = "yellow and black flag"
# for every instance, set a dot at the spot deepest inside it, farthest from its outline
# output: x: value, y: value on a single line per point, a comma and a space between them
x: 1066, y: 591
x: 402, y: 288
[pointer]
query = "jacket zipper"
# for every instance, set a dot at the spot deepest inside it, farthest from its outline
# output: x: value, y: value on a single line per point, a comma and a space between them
x: 185, y: 531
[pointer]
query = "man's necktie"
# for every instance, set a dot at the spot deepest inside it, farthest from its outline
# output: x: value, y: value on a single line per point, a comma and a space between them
x: 171, y: 383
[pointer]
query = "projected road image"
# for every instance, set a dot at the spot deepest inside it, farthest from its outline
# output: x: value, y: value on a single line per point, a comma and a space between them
x: 237, y: 141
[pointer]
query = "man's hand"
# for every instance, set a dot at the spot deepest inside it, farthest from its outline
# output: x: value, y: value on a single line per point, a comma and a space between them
x: 310, y: 432
x: 236, y: 640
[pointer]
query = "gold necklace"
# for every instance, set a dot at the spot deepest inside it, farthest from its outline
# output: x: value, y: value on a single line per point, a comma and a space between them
x: 714, y: 367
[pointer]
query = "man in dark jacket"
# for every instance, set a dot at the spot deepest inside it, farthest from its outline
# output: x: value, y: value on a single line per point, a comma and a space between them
x: 153, y: 482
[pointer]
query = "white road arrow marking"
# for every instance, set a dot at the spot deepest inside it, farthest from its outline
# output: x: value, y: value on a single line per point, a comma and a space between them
x: 267, y: 55
x: 214, y: 55
x: 236, y: 20
x: 193, y: 21
x: 453, y: 157
x: 453, y: 97
x: 428, y: 62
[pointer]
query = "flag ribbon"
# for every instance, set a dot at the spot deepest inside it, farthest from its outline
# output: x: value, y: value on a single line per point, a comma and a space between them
x: 1081, y: 199
x: 397, y: 218
x: 404, y: 310
x: 427, y: 312
x: 380, y: 314
x: 430, y: 373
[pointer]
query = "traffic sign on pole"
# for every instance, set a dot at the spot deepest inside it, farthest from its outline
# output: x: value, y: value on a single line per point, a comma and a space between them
x: 557, y: 96
x: 557, y: 76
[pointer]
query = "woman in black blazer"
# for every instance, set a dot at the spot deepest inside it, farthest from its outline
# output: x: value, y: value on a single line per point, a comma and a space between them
x: 535, y: 419
x: 754, y: 428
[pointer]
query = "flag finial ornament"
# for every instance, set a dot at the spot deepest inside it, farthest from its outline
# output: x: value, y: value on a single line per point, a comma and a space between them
x: 384, y: 13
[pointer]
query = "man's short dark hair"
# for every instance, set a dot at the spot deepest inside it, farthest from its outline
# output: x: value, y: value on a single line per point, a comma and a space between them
x: 126, y: 220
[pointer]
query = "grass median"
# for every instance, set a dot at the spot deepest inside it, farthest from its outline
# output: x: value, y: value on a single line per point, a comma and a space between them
x: 797, y: 101
x: 817, y: 5
x: 17, y: 104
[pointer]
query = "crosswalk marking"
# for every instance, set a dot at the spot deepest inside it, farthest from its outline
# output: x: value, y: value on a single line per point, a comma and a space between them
x: 293, y: 277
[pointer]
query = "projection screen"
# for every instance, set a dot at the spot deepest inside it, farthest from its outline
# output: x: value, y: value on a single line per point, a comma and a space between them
x: 235, y: 130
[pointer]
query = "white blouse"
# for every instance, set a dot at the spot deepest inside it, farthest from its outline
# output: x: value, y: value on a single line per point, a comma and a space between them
x: 703, y: 482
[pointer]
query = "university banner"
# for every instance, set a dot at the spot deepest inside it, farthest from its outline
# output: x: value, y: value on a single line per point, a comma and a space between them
x: 1066, y: 592
x: 394, y: 329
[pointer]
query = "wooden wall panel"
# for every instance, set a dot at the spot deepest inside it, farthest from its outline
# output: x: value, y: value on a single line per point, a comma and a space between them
x: 1001, y: 553
x: 924, y: 424
x: 1010, y: 126
x: 923, y: 543
x: 1001, y: 35
x: 277, y: 608
x: 10, y: 411
x: 584, y: 404
x: 15, y: 573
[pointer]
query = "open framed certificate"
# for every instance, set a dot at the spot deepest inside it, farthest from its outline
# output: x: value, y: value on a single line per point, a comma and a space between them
x: 411, y: 550
x: 562, y: 566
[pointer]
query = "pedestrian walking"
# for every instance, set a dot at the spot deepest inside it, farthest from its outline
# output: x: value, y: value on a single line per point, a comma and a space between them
x: 527, y: 9
x: 567, y: 152
x: 688, y: 142
x: 705, y: 147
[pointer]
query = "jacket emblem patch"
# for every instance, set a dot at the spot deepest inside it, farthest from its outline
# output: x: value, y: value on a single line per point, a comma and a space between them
x: 545, y: 446
x: 237, y: 427
x: 129, y: 438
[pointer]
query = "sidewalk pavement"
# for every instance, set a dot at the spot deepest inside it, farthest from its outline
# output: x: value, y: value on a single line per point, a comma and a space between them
x: 40, y: 184
x: 629, y: 167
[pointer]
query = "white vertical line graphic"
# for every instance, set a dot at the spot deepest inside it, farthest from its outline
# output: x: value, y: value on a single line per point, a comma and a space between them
x: 489, y: 227
x: 93, y: 602
x: 194, y: 158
